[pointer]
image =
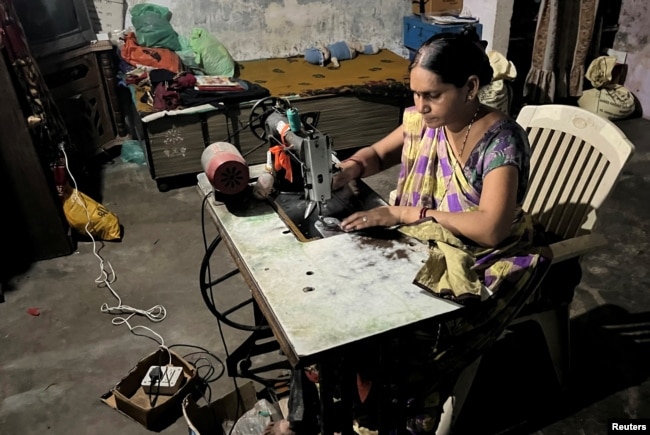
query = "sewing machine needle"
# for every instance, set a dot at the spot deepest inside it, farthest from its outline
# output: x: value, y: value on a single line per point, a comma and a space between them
x: 310, y: 208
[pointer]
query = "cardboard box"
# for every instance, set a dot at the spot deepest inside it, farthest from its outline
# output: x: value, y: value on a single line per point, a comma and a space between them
x: 129, y: 398
x: 438, y: 7
x: 207, y: 419
x: 108, y: 15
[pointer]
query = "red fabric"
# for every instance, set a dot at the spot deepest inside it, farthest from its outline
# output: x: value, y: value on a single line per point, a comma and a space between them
x: 12, y: 37
x: 363, y: 386
x: 282, y: 161
x: 185, y: 80
x: 149, y: 56
x: 60, y: 175
x: 165, y: 99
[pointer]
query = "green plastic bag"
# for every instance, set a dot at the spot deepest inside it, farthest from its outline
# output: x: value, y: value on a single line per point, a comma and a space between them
x: 152, y: 26
x: 211, y: 55
x: 186, y: 53
x: 132, y: 151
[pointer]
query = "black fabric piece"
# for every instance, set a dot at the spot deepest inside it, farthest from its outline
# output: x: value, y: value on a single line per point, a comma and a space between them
x: 193, y: 97
x: 160, y: 75
x: 304, y: 404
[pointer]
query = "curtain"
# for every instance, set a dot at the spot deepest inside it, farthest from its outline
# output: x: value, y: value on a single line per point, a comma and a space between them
x: 562, y: 39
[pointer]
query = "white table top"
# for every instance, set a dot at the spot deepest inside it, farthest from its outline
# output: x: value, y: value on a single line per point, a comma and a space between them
x: 362, y: 286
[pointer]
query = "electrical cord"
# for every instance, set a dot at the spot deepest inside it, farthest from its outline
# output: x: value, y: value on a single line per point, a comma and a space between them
x: 156, y: 314
x: 106, y: 277
x: 212, y: 366
x: 244, y: 127
x: 209, y: 298
x: 207, y: 283
x: 154, y: 376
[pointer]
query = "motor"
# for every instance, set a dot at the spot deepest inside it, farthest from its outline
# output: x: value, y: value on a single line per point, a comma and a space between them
x: 225, y: 168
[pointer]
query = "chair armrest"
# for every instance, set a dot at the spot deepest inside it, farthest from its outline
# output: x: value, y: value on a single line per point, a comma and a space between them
x: 576, y: 246
x: 392, y: 197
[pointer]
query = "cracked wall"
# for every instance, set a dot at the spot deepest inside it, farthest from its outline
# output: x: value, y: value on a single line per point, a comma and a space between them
x: 632, y: 37
x: 278, y: 28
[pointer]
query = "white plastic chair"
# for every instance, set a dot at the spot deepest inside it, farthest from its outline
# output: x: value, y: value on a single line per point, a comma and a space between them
x: 577, y: 157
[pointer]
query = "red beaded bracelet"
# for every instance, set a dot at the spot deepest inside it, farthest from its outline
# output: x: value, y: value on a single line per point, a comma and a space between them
x: 423, y: 214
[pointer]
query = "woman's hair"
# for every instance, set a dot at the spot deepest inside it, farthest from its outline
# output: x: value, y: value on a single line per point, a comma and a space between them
x: 455, y: 57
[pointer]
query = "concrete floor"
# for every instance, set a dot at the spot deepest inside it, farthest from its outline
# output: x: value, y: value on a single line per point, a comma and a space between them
x: 55, y: 367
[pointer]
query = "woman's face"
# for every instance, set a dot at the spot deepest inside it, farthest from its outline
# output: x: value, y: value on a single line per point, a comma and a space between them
x: 439, y: 103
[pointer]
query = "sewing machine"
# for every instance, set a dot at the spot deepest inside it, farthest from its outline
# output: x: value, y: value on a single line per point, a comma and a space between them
x: 305, y: 200
x: 311, y: 152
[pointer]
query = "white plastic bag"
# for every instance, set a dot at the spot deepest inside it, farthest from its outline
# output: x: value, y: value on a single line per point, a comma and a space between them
x: 255, y: 420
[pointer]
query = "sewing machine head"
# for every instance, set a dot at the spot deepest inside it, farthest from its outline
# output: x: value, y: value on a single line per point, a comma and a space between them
x: 304, y: 165
x: 305, y: 155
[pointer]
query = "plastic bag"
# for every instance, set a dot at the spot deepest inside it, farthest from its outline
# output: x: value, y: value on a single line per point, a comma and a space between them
x: 133, y: 152
x: 186, y: 53
x: 103, y: 224
x: 160, y: 58
x: 255, y: 420
x: 152, y: 26
x: 211, y: 55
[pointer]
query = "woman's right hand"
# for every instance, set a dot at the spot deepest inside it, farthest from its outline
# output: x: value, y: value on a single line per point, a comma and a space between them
x: 348, y: 171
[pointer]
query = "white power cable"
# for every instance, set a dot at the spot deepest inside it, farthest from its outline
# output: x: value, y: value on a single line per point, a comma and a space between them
x: 156, y: 314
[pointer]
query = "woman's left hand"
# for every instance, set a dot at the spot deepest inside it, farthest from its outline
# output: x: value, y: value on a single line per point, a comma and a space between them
x: 384, y: 216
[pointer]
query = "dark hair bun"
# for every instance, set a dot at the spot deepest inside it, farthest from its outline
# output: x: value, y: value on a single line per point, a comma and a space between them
x: 455, y: 57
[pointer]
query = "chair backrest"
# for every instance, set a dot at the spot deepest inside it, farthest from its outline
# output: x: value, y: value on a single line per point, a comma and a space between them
x: 576, y: 159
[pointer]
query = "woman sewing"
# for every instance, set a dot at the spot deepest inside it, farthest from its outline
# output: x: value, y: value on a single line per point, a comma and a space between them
x: 464, y: 173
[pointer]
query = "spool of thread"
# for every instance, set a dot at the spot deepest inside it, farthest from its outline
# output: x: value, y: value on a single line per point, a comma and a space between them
x: 294, y: 120
x: 269, y: 162
x: 225, y: 168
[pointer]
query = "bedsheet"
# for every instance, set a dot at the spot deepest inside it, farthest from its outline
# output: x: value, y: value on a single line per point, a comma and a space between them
x: 384, y: 73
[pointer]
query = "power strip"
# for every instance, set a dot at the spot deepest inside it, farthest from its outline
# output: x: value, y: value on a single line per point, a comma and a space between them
x: 165, y: 380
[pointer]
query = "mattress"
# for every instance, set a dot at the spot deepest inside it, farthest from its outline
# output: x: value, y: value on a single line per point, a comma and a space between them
x: 359, y: 103
x: 384, y: 73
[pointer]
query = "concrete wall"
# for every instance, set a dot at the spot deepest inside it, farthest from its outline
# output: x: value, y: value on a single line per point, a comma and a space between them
x: 277, y: 28
x: 495, y: 16
x: 286, y: 27
x: 633, y: 37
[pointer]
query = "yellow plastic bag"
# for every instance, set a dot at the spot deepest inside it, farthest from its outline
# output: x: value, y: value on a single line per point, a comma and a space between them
x: 103, y: 225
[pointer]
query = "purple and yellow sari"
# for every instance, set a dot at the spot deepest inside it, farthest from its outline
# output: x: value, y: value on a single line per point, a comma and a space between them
x: 497, y: 280
x: 431, y: 177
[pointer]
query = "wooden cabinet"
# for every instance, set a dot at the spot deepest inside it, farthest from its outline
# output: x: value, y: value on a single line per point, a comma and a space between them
x: 34, y: 225
x: 83, y: 84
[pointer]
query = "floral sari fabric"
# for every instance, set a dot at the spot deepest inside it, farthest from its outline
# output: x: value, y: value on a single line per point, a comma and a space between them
x: 432, y: 177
